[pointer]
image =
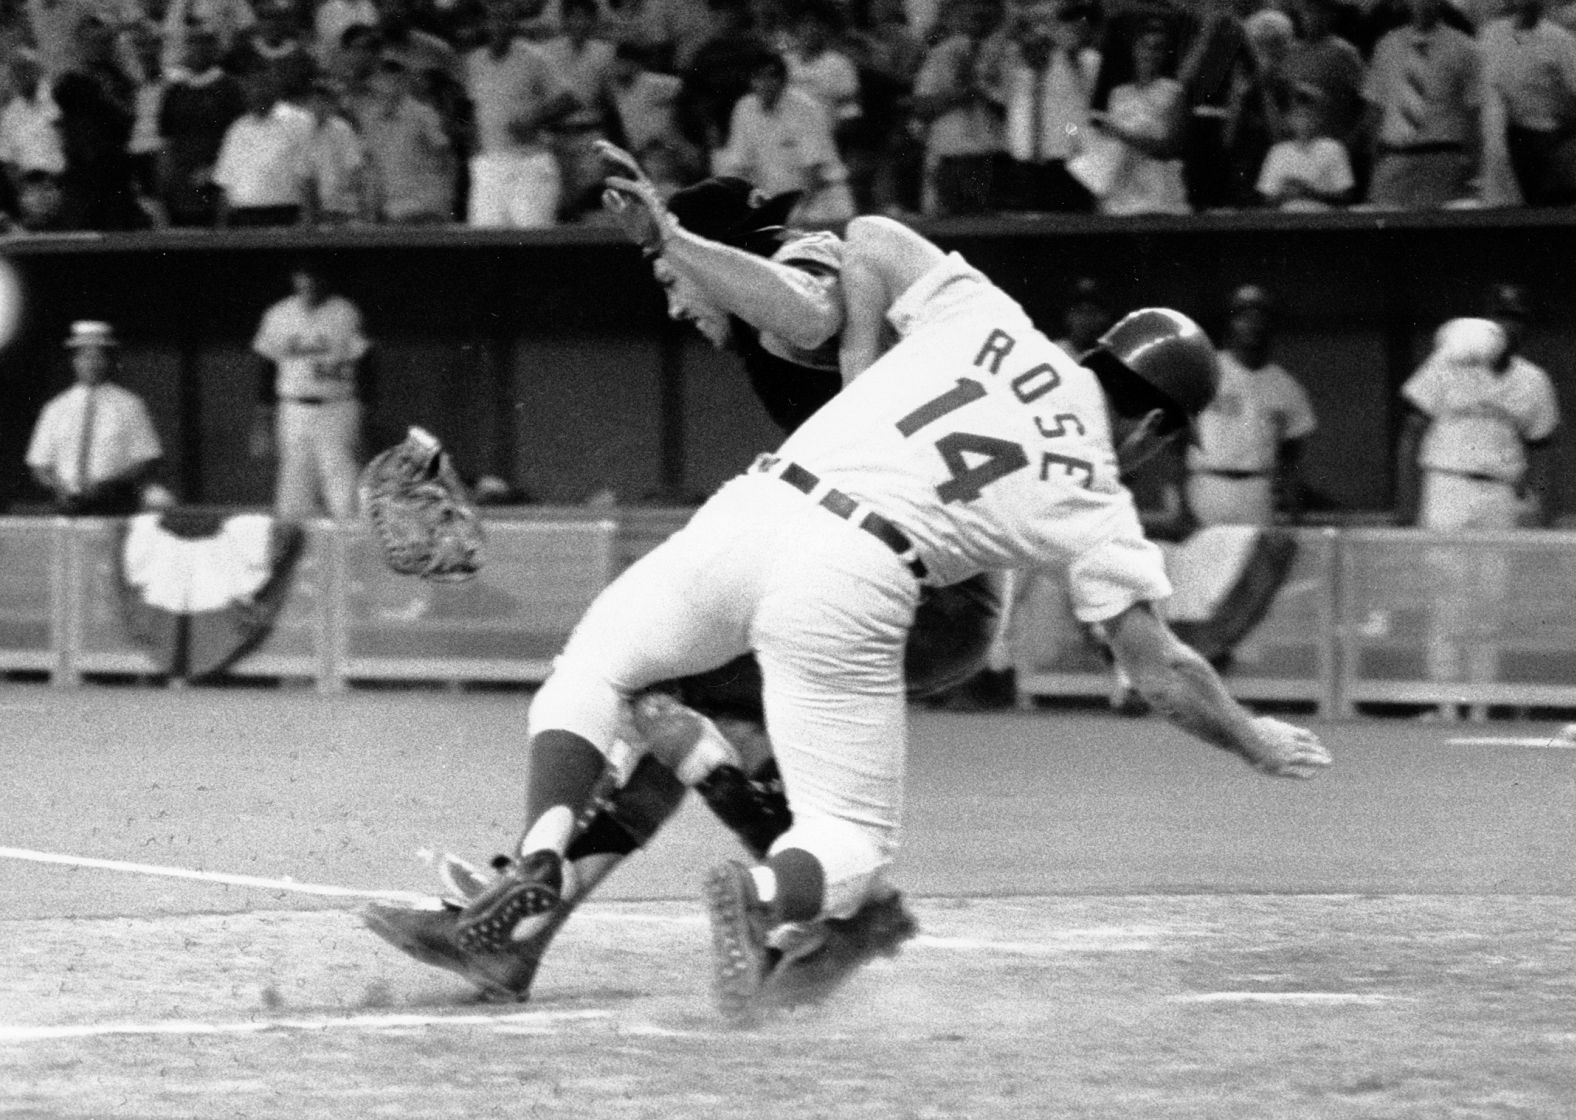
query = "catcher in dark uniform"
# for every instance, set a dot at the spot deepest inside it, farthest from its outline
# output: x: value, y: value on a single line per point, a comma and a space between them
x: 773, y: 296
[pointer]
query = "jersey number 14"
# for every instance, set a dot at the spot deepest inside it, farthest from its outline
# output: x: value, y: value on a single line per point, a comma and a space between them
x: 993, y: 458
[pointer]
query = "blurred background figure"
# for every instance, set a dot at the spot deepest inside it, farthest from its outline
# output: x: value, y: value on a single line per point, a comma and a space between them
x: 263, y: 169
x: 1529, y: 79
x: 1306, y: 172
x: 313, y: 377
x: 585, y: 64
x: 1146, y: 122
x: 97, y: 102
x: 337, y: 191
x: 410, y: 160
x: 1330, y: 70
x: 1250, y: 439
x: 1424, y: 90
x: 961, y: 125
x: 781, y: 140
x: 94, y: 448
x: 29, y: 126
x: 200, y: 104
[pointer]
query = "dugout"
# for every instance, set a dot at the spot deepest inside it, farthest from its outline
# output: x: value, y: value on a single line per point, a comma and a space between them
x: 546, y: 357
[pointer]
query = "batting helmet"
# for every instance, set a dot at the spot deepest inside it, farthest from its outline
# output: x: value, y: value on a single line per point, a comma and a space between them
x: 1168, y: 352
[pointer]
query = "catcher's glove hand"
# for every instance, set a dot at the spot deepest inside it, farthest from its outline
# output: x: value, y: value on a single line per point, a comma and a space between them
x: 1285, y: 750
x: 418, y: 507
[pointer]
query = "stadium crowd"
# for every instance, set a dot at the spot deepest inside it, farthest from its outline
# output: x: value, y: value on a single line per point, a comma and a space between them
x: 126, y: 114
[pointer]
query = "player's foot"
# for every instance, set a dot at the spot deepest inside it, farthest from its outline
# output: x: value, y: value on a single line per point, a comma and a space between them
x: 524, y: 888
x: 812, y: 971
x: 740, y: 955
x: 1128, y: 701
x: 431, y: 937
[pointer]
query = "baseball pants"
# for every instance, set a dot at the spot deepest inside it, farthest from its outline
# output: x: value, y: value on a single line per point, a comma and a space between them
x: 1218, y: 499
x: 1469, y: 581
x: 826, y: 608
x: 318, y: 446
x: 514, y: 190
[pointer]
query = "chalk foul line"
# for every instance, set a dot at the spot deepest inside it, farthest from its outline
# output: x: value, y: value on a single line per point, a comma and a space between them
x: 520, y: 1022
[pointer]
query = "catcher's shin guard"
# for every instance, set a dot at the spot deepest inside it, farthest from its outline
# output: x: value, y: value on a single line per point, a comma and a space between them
x: 754, y: 808
x: 431, y: 937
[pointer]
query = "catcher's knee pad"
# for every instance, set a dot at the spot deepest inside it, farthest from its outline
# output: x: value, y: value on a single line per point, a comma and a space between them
x: 631, y: 815
x: 853, y: 859
x: 953, y: 630
x: 753, y: 806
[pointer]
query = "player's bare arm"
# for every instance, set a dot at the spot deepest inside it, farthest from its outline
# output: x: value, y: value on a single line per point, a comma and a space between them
x: 1181, y: 685
x: 881, y: 260
x: 804, y: 311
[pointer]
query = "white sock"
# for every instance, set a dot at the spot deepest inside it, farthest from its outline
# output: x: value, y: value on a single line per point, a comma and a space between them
x: 765, y: 884
x: 550, y: 832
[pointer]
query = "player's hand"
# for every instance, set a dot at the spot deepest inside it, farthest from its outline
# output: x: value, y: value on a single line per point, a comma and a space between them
x: 633, y: 199
x: 1285, y: 750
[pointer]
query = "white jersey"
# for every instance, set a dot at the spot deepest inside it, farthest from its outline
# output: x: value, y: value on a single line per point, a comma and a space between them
x: 988, y: 446
x: 1253, y: 412
x: 1482, y: 420
x: 315, y: 348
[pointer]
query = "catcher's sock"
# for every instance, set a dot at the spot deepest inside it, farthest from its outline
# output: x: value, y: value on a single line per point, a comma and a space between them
x: 798, y: 888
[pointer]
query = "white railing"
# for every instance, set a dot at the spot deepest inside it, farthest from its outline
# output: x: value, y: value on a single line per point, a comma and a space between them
x: 1365, y: 616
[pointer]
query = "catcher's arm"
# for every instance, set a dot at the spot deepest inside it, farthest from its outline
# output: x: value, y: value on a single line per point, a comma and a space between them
x: 1182, y: 686
x: 774, y: 298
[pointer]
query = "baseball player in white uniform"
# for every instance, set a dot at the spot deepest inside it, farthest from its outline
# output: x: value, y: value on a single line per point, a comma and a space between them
x: 1251, y: 435
x: 1480, y: 411
x: 975, y: 443
x: 314, y: 347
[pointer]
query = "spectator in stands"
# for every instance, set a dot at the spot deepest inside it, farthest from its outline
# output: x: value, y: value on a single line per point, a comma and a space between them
x: 781, y: 140
x: 627, y: 23
x: 1424, y: 89
x: 432, y: 61
x: 1041, y: 74
x: 585, y: 65
x: 199, y: 106
x: 40, y: 203
x: 226, y: 20
x: 1306, y: 171
x: 29, y: 123
x: 409, y: 154
x: 1244, y: 465
x: 332, y: 19
x: 1257, y: 116
x: 263, y: 166
x: 96, y: 99
x: 145, y: 143
x: 1217, y: 68
x: 277, y: 43
x: 719, y: 74
x: 1145, y: 126
x: 518, y: 96
x: 94, y: 448
x: 818, y: 67
x: 1326, y: 65
x: 1529, y: 73
x: 963, y: 135
x: 336, y: 161
x: 885, y: 154
x: 644, y: 101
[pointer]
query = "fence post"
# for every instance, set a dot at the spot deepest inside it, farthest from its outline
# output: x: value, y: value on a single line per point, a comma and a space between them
x: 333, y: 637
x: 65, y: 590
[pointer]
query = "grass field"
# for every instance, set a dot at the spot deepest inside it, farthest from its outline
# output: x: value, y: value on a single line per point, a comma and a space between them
x: 1116, y: 923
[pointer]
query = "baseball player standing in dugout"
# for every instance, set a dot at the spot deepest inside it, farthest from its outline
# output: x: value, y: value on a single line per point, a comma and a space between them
x: 773, y: 296
x: 975, y: 443
x: 313, y: 353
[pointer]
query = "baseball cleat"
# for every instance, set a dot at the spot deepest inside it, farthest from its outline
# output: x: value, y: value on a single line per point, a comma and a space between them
x: 813, y: 970
x: 463, y: 880
x: 524, y: 888
x: 741, y: 957
x: 430, y: 936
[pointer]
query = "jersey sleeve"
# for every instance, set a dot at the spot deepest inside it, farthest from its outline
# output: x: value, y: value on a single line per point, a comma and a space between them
x: 266, y: 341
x: 1543, y: 410
x: 41, y: 447
x: 1116, y: 574
x: 1298, y: 411
x: 142, y: 442
x: 1423, y: 390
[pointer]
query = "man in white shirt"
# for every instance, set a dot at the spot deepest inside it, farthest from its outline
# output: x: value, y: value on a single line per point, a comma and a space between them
x: 263, y: 166
x: 94, y: 448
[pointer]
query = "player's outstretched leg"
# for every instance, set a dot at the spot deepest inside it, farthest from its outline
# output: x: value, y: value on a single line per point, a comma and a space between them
x: 431, y: 937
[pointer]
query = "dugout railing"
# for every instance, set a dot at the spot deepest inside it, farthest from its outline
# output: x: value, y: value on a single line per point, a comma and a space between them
x: 1365, y: 616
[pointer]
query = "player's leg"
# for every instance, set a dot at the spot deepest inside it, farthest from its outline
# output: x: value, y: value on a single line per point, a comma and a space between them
x: 836, y: 710
x: 682, y: 608
x: 295, y: 479
x: 337, y: 438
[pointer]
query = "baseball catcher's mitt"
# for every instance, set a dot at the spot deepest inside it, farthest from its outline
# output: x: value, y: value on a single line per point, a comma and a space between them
x: 418, y: 507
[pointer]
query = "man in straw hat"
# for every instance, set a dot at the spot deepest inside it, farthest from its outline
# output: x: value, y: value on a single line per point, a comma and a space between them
x: 94, y: 448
